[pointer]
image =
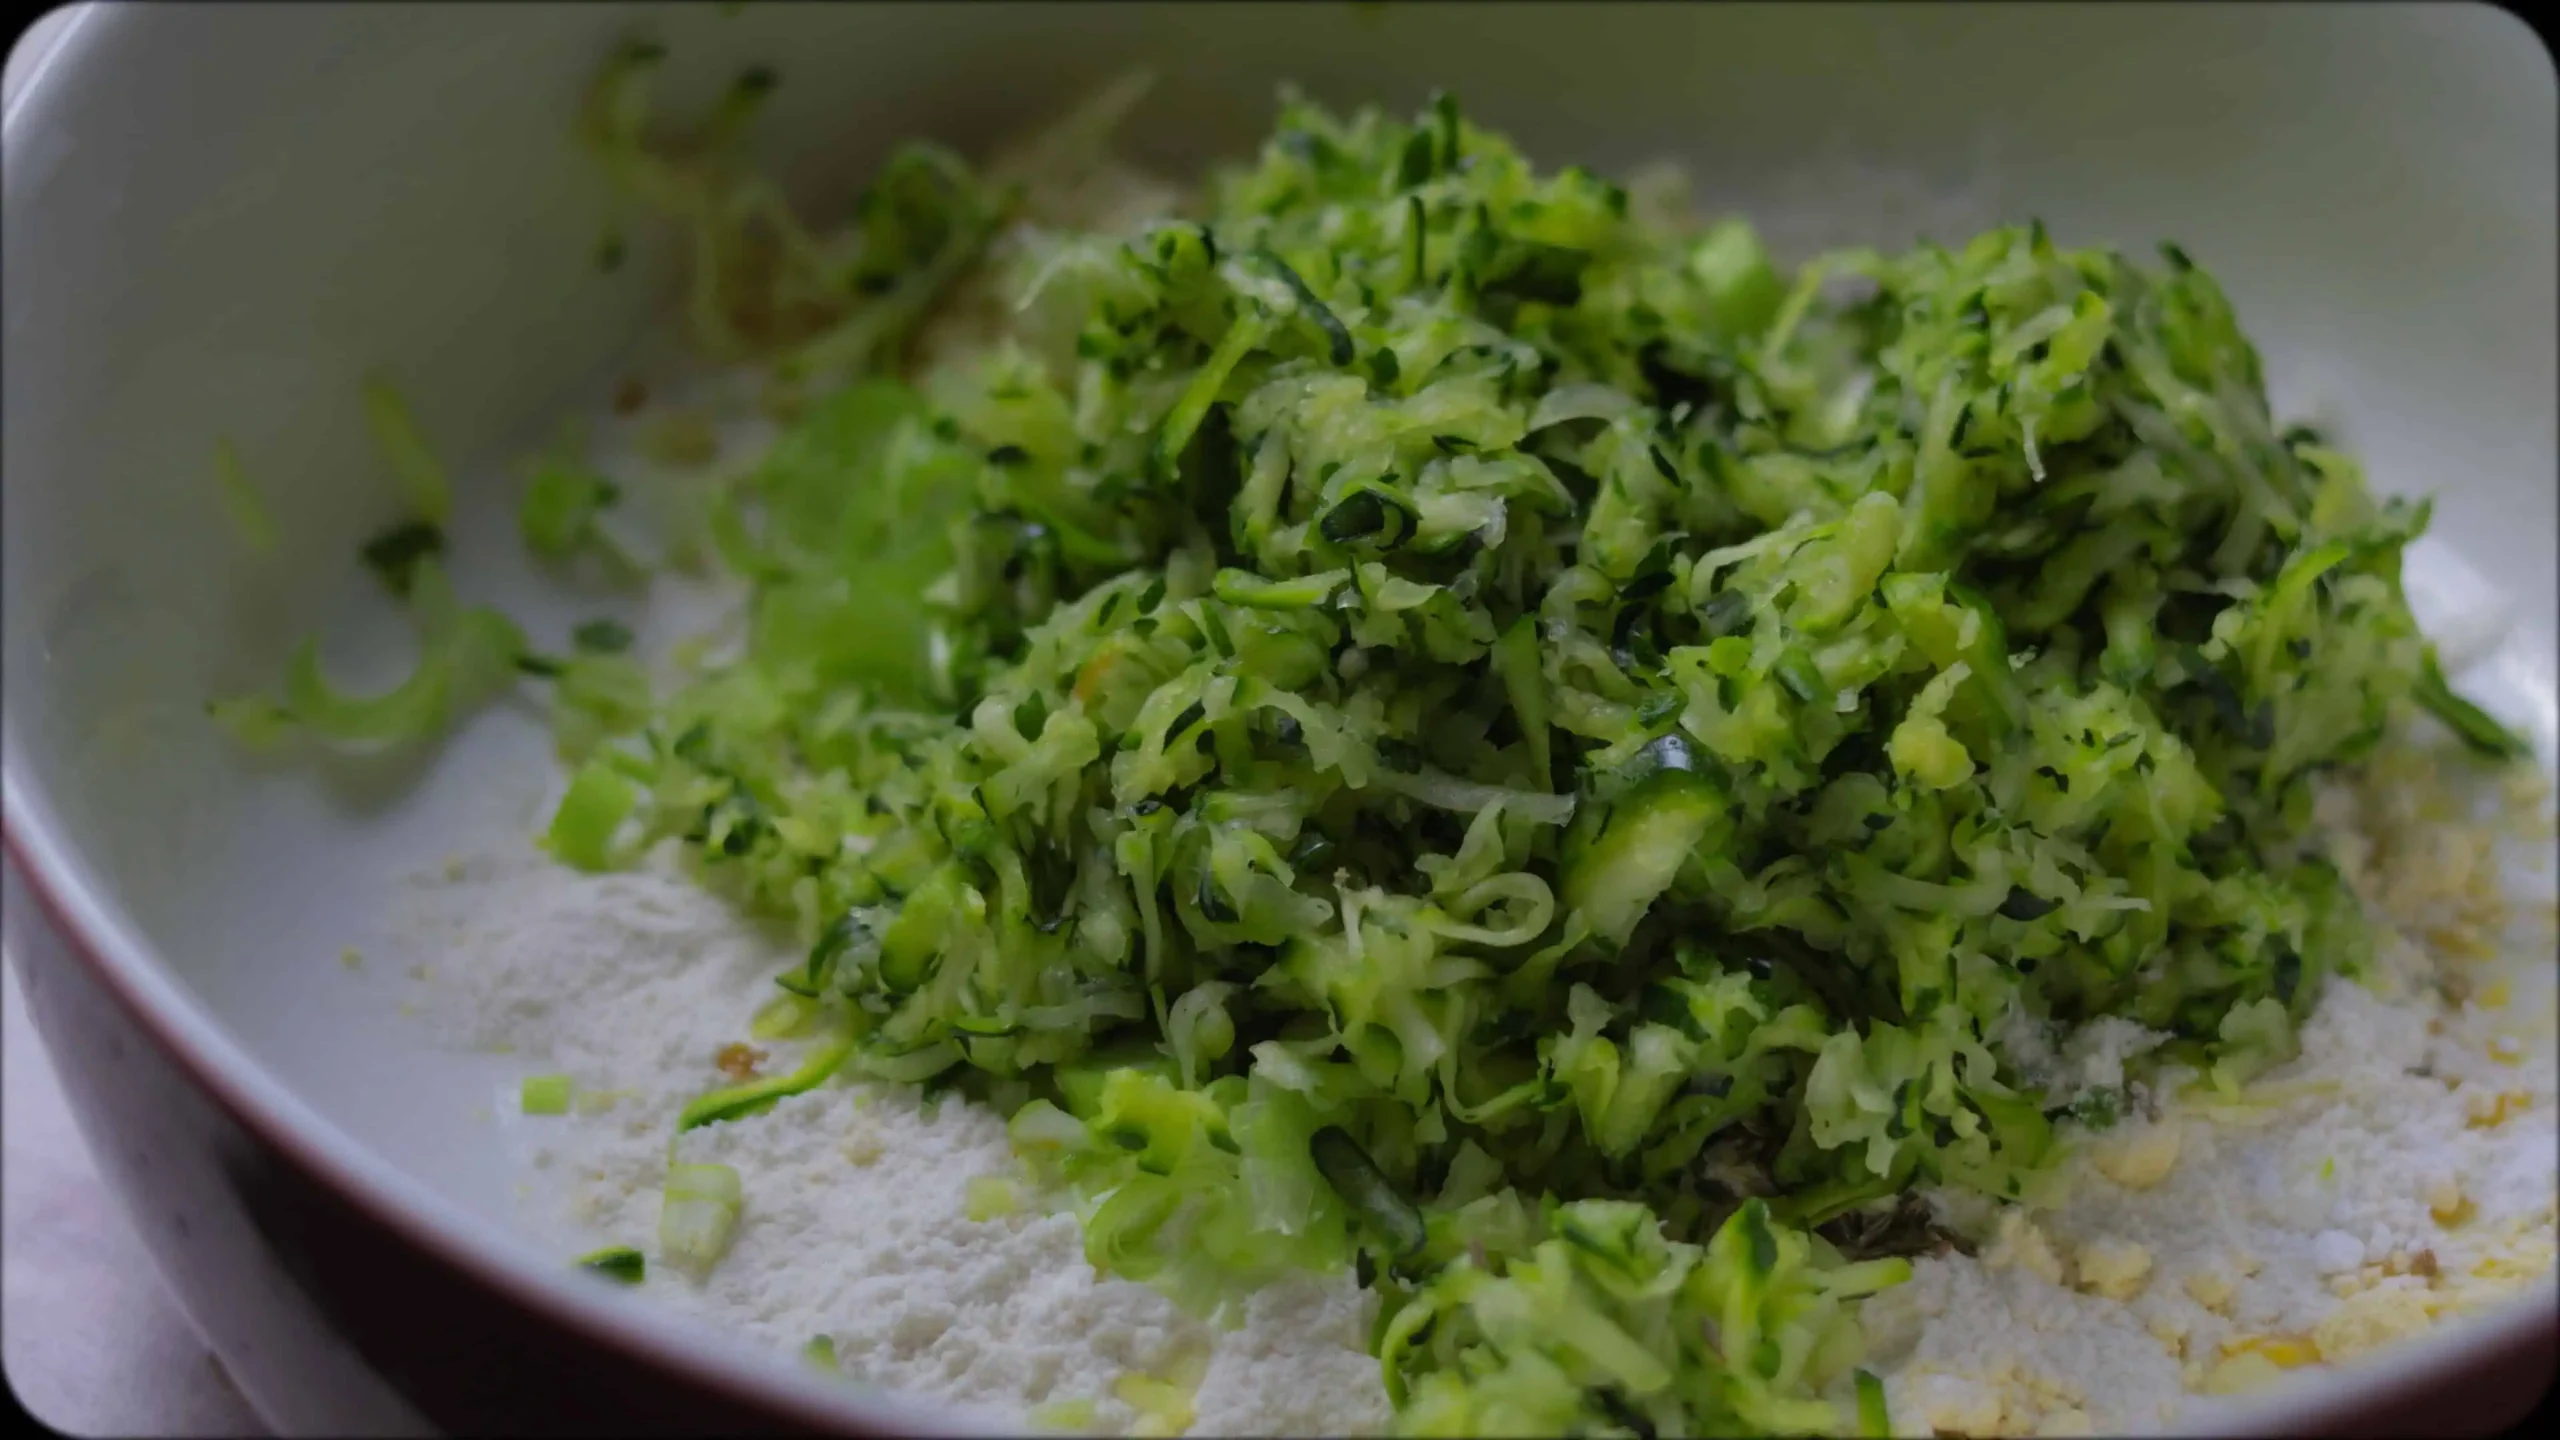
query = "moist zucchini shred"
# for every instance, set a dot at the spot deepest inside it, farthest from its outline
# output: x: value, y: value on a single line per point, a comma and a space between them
x: 1417, y: 717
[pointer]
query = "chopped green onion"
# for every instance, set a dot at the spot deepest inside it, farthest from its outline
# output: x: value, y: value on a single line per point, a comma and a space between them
x: 699, y: 1215
x: 784, y: 1017
x: 395, y: 554
x: 466, y: 657
x: 1875, y: 1419
x: 561, y: 503
x: 617, y: 1262
x: 591, y: 813
x: 240, y: 502
x: 601, y: 637
x: 1064, y: 1416
x: 412, y: 463
x: 548, y: 1094
x: 992, y: 1196
x: 1163, y: 1409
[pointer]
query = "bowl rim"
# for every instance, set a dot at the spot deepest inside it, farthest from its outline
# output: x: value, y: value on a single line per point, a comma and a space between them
x: 78, y: 913
x: 41, y: 41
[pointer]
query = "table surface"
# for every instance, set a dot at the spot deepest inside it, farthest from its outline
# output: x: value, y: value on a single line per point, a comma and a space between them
x: 92, y: 1341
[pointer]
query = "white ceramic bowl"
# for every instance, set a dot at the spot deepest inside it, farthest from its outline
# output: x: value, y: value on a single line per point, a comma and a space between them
x: 217, y: 218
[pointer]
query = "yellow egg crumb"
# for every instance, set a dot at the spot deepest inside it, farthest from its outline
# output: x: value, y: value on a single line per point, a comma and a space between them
x: 2446, y: 1202
x: 2116, y: 1269
x: 2487, y: 1111
x: 1954, y: 1405
x: 2524, y: 1262
x: 2494, y: 997
x: 2282, y: 1351
x: 2462, y: 943
x: 2066, y: 1422
x: 2477, y: 1294
x: 2018, y: 1242
x: 2210, y: 1289
x: 2007, y: 1399
x: 2141, y: 1159
x: 2240, y: 1374
x: 2368, y: 1320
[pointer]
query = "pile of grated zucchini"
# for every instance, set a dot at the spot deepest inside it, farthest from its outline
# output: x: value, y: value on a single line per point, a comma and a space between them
x: 1440, y: 718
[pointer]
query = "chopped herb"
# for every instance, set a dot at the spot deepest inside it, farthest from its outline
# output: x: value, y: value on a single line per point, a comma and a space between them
x: 617, y: 1262
x: 395, y: 554
x: 601, y: 637
x: 547, y: 1095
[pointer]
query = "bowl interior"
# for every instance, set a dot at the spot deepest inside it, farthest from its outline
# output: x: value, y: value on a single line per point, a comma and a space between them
x: 2375, y: 187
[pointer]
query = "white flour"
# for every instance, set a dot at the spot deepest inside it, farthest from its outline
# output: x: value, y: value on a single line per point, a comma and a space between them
x: 2305, y: 1221
x: 854, y: 1225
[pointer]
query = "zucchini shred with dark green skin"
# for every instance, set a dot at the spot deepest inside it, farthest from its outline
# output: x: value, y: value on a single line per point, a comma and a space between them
x: 1397, y: 721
